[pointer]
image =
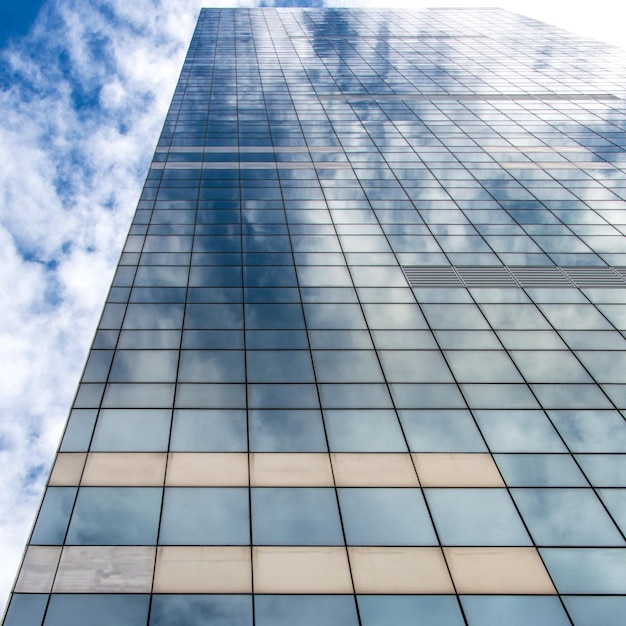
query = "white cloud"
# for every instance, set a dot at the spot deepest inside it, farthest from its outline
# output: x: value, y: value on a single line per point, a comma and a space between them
x: 89, y: 90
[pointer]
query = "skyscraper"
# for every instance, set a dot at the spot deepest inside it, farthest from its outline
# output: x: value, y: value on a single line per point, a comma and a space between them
x: 362, y: 362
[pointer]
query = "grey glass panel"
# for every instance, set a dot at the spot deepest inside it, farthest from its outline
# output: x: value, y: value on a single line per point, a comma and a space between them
x: 340, y: 339
x: 276, y: 339
x: 605, y: 366
x: 539, y: 470
x: 97, y: 367
x: 190, y: 610
x: 514, y: 610
x: 591, y: 431
x: 604, y: 470
x: 354, y: 395
x: 282, y: 396
x: 408, y: 366
x: 226, y: 316
x: 79, y: 430
x: 474, y: 366
x: 132, y: 430
x: 452, y: 316
x: 205, y: 516
x: 138, y: 395
x: 26, y: 609
x: 587, y: 570
x: 152, y: 339
x: 594, y: 610
x: 198, y: 366
x: 259, y: 316
x: 394, y: 316
x: 162, y: 316
x: 54, y: 515
x: 498, y: 396
x: 441, y: 431
x: 286, y: 431
x: 404, y: 340
x: 213, y: 339
x: 546, y: 366
x: 334, y: 315
x: 115, y: 516
x: 363, y: 431
x: 345, y: 366
x: 295, y: 516
x: 209, y: 431
x: 279, y: 366
x: 144, y: 366
x: 489, y: 517
x: 515, y: 317
x: 566, y: 517
x: 467, y: 340
x: 385, y: 517
x: 268, y: 276
x: 97, y: 610
x: 310, y: 610
x: 573, y: 317
x: 409, y: 611
x: 615, y: 502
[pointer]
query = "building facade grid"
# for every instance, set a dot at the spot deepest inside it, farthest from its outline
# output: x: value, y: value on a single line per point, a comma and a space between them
x: 362, y: 361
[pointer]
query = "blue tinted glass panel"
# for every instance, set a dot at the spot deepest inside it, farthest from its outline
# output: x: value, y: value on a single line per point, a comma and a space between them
x: 190, y: 610
x: 305, y: 610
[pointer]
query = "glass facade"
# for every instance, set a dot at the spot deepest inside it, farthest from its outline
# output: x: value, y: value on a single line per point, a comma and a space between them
x: 363, y: 359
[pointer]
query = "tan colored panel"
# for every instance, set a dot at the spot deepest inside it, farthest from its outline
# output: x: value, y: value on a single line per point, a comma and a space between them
x: 290, y: 470
x: 67, y: 469
x: 38, y: 569
x: 105, y: 569
x: 373, y: 470
x: 457, y: 470
x: 136, y: 469
x: 399, y: 570
x: 498, y: 570
x: 199, y: 469
x: 203, y: 569
x: 301, y: 569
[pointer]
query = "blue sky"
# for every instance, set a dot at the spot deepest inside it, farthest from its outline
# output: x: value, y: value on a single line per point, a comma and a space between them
x: 16, y: 18
x: 84, y: 87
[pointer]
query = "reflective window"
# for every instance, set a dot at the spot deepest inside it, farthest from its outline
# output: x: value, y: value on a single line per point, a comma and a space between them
x: 205, y: 516
x: 385, y: 517
x: 295, y: 516
x: 115, y: 516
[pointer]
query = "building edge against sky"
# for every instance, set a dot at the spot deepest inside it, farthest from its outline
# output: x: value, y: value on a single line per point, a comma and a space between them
x: 363, y: 356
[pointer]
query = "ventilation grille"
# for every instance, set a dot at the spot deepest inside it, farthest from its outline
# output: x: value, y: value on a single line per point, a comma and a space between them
x: 501, y: 276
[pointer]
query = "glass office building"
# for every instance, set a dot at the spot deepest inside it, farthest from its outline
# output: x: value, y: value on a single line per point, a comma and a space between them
x: 362, y: 362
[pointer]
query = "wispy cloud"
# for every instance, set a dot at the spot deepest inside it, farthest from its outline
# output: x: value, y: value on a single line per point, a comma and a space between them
x: 82, y: 99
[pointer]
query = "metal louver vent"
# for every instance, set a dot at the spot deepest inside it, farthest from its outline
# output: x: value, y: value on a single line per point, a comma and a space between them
x: 594, y: 276
x: 541, y: 277
x: 502, y: 276
x: 481, y: 276
x: 432, y: 276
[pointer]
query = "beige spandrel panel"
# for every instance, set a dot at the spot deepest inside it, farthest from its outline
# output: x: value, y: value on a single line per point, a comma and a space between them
x: 373, y: 470
x: 105, y: 569
x: 498, y: 570
x: 290, y: 470
x: 124, y: 469
x: 203, y: 569
x: 38, y: 569
x: 207, y: 469
x: 457, y: 470
x: 301, y: 569
x: 399, y: 570
x: 67, y: 469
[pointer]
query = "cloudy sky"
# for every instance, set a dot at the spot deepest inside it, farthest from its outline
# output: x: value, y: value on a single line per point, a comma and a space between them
x: 84, y: 87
